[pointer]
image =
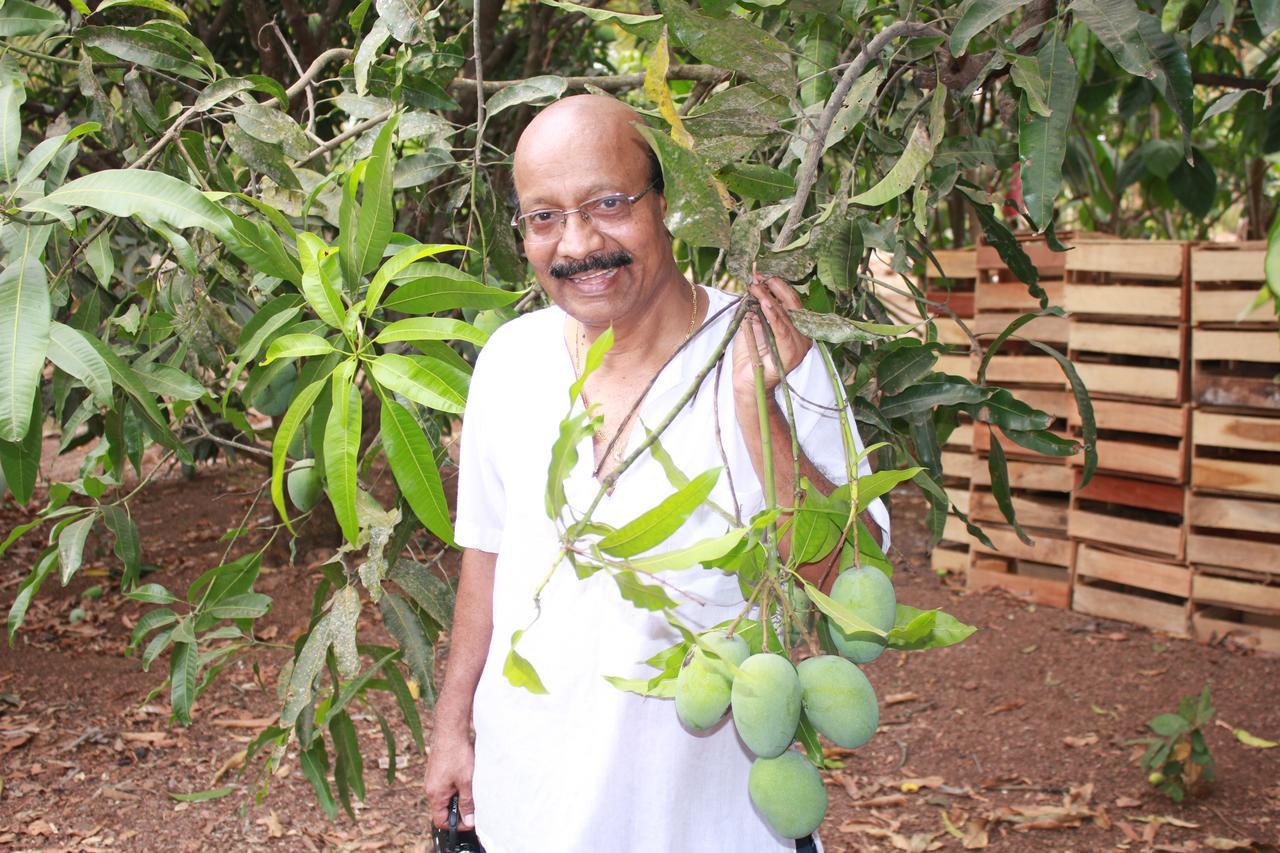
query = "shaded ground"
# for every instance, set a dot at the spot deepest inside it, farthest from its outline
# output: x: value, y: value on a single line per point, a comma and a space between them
x: 1015, y: 740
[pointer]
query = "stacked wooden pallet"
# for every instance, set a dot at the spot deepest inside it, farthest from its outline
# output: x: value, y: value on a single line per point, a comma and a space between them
x: 1040, y: 486
x: 1128, y: 302
x: 1233, y: 508
x: 952, y: 290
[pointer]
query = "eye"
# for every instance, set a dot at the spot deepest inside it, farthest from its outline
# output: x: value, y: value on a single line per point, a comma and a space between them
x: 543, y: 217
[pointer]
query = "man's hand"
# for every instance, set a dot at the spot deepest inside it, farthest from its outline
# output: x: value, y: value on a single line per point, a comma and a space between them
x: 449, y: 772
x: 776, y: 298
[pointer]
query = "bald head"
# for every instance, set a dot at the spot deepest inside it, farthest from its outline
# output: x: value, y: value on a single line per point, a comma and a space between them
x: 579, y: 125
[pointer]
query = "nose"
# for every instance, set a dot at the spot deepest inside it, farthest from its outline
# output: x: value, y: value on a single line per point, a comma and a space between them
x: 580, y: 238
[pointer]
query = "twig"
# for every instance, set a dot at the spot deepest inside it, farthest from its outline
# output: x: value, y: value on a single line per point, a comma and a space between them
x: 317, y: 65
x: 297, y: 66
x: 354, y: 130
x: 478, y: 62
x: 605, y: 82
x: 813, y: 152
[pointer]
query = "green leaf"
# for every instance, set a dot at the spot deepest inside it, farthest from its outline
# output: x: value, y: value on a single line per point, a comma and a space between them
x: 151, y: 593
x: 734, y: 43
x: 298, y: 410
x: 431, y: 329
x: 314, y: 762
x: 758, y: 181
x: 126, y: 547
x: 429, y: 288
x: 341, y: 451
x: 835, y: 329
x: 1084, y: 406
x: 1253, y: 740
x: 842, y: 616
x: 348, y: 766
x: 373, y: 228
x: 879, y: 483
x: 27, y: 590
x: 71, y: 354
x: 397, y: 264
x: 695, y: 212
x: 1042, y: 142
x: 150, y: 621
x: 945, y: 630
x: 12, y: 97
x: 1115, y: 23
x: 1007, y: 412
x: 143, y: 46
x: 403, y: 624
x: 201, y: 796
x: 998, y: 467
x: 247, y: 605
x: 854, y: 108
x: 320, y: 292
x: 705, y: 551
x: 926, y: 396
x: 184, y: 666
x: 154, y: 196
x: 20, y: 18
x: 71, y: 545
x: 1267, y: 15
x: 595, y: 357
x: 904, y: 367
x: 519, y: 671
x: 645, y: 27
x: 564, y: 458
x: 652, y: 528
x: 1195, y: 187
x: 367, y: 53
x: 1010, y: 250
x: 24, y: 331
x: 976, y: 16
x: 266, y: 158
x: 919, y: 627
x: 226, y: 87
x: 646, y: 596
x: 1169, y: 725
x: 405, y: 701
x: 1173, y: 73
x: 540, y: 89
x: 20, y: 460
x: 297, y: 346
x: 403, y: 18
x: 168, y: 381
x: 903, y: 174
x: 261, y: 249
x: 1025, y: 73
x: 840, y: 253
x: 425, y: 380
x: 427, y: 589
x: 413, y: 464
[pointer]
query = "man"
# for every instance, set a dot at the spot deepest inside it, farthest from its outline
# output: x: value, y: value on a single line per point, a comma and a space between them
x: 587, y: 767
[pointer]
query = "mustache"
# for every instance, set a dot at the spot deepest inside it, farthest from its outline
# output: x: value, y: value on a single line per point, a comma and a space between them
x: 593, y: 263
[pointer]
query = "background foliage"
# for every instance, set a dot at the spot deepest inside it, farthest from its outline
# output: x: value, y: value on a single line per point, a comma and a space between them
x: 236, y: 228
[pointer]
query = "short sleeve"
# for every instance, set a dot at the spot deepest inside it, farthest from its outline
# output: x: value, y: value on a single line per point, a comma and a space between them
x: 818, y: 424
x: 481, y: 493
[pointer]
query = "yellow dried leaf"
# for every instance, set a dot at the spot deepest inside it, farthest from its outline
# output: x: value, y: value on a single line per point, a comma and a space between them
x: 1253, y: 740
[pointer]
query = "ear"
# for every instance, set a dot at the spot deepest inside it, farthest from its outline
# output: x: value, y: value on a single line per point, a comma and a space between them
x: 662, y: 205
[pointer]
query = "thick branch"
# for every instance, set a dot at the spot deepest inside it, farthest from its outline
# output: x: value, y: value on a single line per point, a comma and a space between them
x: 813, y: 152
x: 317, y: 65
x: 608, y: 82
x: 1227, y: 81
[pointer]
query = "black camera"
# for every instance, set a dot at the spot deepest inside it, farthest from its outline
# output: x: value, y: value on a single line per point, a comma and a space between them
x: 453, y: 839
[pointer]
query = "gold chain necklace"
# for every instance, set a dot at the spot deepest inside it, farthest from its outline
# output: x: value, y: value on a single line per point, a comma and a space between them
x: 615, y: 454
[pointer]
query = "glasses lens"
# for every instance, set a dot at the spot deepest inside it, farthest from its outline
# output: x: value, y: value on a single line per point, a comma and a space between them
x: 542, y: 225
x: 611, y: 208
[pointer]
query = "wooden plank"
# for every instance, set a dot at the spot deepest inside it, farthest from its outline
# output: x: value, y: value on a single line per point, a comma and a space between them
x: 957, y: 464
x: 1133, y: 570
x: 1039, y: 476
x: 1150, y: 418
x: 1238, y: 262
x: 959, y: 301
x: 1235, y: 345
x: 1212, y: 624
x: 1222, y: 388
x: 1047, y: 548
x: 1132, y: 457
x: 1233, y: 514
x: 1157, y: 538
x: 961, y: 436
x: 1051, y: 264
x: 1109, y: 604
x: 959, y: 497
x: 1144, y: 258
x: 953, y: 530
x: 949, y: 560
x: 1054, y: 401
x: 1014, y: 296
x: 955, y: 263
x: 1046, y: 591
x: 960, y: 364
x: 1125, y: 300
x: 1230, y: 306
x: 1120, y: 339
x: 1052, y: 330
x: 1029, y: 369
x: 949, y: 332
x: 1156, y: 383
x: 1159, y: 497
x: 1243, y: 594
x: 1233, y: 552
x: 1235, y: 477
x: 1031, y: 510
x: 1243, y: 432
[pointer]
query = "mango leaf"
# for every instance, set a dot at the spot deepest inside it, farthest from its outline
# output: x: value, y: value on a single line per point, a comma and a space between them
x: 840, y: 253
x: 261, y: 249
x: 20, y: 18
x: 1253, y: 740
x: 519, y: 671
x: 264, y: 157
x: 646, y: 596
x: 1010, y: 250
x: 414, y: 466
x: 298, y: 410
x: 842, y: 616
x: 144, y: 46
x: 341, y: 451
x: 126, y: 546
x: 427, y: 589
x: 1173, y: 73
x: 296, y: 346
x: 226, y: 87
x: 184, y: 666
x: 1042, y: 142
x: 403, y: 18
x: 247, y: 605
x: 1195, y: 186
x: 915, y: 630
x: 402, y: 622
x: 320, y: 292
x: 835, y: 329
x: 201, y: 796
x: 1115, y: 23
x: 12, y: 97
x: 314, y: 763
x: 530, y: 90
x: 1267, y: 15
x: 925, y: 396
x: 734, y: 43
x: 429, y: 288
x: 306, y: 666
x: 425, y: 380
x: 1007, y: 412
x: 758, y: 181
x: 1025, y: 73
x: 154, y: 196
x: 975, y: 17
x: 71, y: 545
x: 27, y: 590
x: 664, y: 688
x: 705, y: 551
x: 645, y: 27
x: 998, y: 467
x: 945, y: 630
x: 594, y: 358
x: 655, y: 526
x: 367, y: 53
x: 564, y: 458
x: 656, y: 65
x: 373, y: 225
x: 879, y: 483
x: 695, y: 212
x: 24, y: 331
x: 397, y: 264
x: 1084, y: 406
x: 904, y: 367
x: 431, y: 329
x: 903, y: 174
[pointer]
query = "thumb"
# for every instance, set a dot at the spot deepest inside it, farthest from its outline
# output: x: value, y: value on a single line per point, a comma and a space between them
x: 466, y: 805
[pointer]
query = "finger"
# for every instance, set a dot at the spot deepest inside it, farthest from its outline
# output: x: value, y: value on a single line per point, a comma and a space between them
x: 784, y: 293
x: 466, y: 806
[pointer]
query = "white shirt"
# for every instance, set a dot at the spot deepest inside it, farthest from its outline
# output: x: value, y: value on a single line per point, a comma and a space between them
x: 588, y: 768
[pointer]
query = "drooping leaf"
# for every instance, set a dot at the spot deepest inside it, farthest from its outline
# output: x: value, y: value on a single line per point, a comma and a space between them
x: 184, y: 666
x: 146, y: 47
x: 712, y: 548
x: 154, y: 196
x: 341, y: 451
x: 734, y: 43
x: 904, y: 172
x: 903, y: 368
x: 414, y: 467
x: 27, y: 590
x: 1173, y: 73
x: 998, y: 467
x: 564, y: 458
x: 320, y: 291
x: 646, y: 596
x: 944, y: 630
x: 21, y: 18
x: 540, y: 89
x: 655, y: 526
x: 925, y: 396
x: 1267, y: 15
x: 519, y: 671
x: 645, y: 27
x: 71, y: 545
x: 1042, y: 141
x: 12, y: 97
x: 976, y: 16
x: 1195, y: 186
x: 307, y: 665
x: 1115, y: 23
x: 425, y: 380
x: 24, y: 331
x: 427, y: 589
x: 1010, y: 250
x: 298, y: 410
x: 695, y: 212
x: 403, y: 624
x: 1084, y: 406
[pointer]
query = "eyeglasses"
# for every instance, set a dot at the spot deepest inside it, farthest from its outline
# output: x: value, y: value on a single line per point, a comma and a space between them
x: 548, y: 224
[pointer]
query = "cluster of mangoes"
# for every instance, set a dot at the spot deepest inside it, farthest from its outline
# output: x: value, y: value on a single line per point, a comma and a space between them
x: 767, y: 694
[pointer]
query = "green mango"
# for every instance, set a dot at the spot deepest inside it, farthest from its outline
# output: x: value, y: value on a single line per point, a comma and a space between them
x: 789, y: 794
x: 766, y: 703
x: 839, y: 700
x: 704, y: 685
x: 304, y: 485
x: 868, y: 592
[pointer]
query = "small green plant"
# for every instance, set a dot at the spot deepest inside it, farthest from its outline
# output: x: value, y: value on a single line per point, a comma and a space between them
x: 1177, y: 759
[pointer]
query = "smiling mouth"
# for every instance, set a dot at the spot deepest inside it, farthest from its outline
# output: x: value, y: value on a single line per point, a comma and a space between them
x: 594, y: 281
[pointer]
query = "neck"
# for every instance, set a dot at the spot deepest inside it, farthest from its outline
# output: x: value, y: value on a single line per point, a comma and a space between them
x: 654, y: 334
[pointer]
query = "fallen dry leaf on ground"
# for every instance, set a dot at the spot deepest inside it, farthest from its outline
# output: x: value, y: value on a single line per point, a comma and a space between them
x: 1007, y: 706
x: 1084, y: 740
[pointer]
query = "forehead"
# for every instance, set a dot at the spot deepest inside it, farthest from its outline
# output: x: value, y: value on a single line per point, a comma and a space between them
x: 570, y: 155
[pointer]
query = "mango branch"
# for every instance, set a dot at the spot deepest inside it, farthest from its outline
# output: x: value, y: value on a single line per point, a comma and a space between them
x: 813, y: 151
x: 709, y: 74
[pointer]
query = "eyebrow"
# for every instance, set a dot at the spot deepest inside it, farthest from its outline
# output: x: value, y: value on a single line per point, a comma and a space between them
x: 594, y: 192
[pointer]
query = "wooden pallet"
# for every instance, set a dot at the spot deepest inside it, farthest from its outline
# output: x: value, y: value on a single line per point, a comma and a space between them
x: 1225, y: 278
x: 1235, y: 454
x: 951, y: 554
x: 962, y: 364
x: 1043, y: 583
x: 1234, y: 532
x: 954, y: 286
x: 1128, y: 587
x: 1238, y: 604
x: 1138, y: 439
x: 1133, y: 279
x: 1131, y: 362
x: 1236, y: 369
x: 1136, y: 515
x: 1050, y: 264
x: 1000, y: 303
